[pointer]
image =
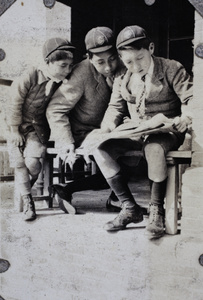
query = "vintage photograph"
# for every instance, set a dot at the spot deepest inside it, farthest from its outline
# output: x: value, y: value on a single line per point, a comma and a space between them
x: 101, y: 149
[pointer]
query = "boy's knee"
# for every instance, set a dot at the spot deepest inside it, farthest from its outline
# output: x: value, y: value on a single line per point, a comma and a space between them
x: 34, y: 165
x: 154, y: 151
x: 155, y: 156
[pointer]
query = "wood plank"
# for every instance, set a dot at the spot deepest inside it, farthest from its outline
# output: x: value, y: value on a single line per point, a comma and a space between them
x: 171, y: 203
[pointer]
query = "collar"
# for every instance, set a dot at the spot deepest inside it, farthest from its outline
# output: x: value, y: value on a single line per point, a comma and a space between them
x: 151, y: 68
x: 43, y: 75
x: 98, y: 76
x: 158, y: 68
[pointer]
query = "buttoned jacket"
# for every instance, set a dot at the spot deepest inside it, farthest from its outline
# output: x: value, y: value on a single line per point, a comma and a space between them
x: 171, y: 86
x: 78, y: 106
x: 27, y: 104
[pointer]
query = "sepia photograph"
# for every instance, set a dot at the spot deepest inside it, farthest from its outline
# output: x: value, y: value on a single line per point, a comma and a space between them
x: 101, y: 149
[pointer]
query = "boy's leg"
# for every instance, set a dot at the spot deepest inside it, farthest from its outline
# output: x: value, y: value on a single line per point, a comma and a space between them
x: 106, y: 157
x: 93, y: 182
x: 23, y: 183
x: 156, y: 148
x: 33, y: 152
x: 22, y: 180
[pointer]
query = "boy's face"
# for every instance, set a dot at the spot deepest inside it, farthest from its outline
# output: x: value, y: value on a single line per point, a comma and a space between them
x: 105, y: 63
x: 137, y: 61
x: 61, y: 68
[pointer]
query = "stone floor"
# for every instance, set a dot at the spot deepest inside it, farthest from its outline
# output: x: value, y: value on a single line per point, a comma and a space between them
x: 71, y: 257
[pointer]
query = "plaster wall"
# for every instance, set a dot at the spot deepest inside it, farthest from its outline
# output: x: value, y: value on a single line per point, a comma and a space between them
x: 197, y: 104
x: 24, y: 27
x: 192, y: 189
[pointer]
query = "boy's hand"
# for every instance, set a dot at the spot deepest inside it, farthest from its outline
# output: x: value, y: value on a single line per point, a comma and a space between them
x: 180, y: 124
x: 16, y: 138
x: 67, y: 154
x: 100, y: 131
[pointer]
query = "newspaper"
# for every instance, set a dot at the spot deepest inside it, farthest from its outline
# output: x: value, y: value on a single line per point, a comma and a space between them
x: 129, y: 129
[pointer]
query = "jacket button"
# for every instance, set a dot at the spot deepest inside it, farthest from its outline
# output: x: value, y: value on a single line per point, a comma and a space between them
x: 65, y: 81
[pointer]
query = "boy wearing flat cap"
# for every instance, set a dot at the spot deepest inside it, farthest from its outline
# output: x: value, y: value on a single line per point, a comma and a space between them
x: 81, y: 106
x: 151, y: 86
x: 29, y: 129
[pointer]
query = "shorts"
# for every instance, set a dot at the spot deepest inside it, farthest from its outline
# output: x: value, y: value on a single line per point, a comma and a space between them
x: 32, y: 148
x: 168, y: 141
x: 118, y: 147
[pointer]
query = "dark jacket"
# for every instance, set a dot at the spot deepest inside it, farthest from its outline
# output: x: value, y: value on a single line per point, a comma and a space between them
x: 79, y: 105
x: 27, y: 104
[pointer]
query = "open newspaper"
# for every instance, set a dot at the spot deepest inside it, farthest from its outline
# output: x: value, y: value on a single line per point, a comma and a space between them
x: 129, y: 129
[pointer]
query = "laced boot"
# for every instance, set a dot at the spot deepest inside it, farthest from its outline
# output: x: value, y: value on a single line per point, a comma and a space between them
x: 155, y: 227
x: 63, y: 198
x: 29, y: 213
x: 128, y: 214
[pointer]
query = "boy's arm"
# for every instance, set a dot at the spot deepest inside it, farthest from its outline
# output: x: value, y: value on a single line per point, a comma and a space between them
x: 181, y: 123
x: 18, y: 93
x: 62, y: 102
x: 183, y: 86
x: 116, y: 110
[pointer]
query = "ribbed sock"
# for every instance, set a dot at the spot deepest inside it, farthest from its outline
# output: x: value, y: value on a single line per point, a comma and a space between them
x: 158, y: 192
x: 121, y: 189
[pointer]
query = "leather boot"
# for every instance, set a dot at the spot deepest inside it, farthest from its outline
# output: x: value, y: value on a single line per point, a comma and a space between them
x: 29, y: 213
x: 63, y: 198
x: 128, y: 214
x: 155, y: 227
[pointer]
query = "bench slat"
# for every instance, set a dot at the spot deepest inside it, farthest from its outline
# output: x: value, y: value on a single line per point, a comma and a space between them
x: 173, y: 154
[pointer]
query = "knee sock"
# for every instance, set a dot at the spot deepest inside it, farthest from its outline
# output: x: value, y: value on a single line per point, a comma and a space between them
x: 93, y: 182
x: 158, y: 191
x: 121, y: 189
x: 22, y: 180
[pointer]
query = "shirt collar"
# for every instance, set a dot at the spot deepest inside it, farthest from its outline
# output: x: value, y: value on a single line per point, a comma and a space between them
x: 151, y: 68
x: 43, y: 75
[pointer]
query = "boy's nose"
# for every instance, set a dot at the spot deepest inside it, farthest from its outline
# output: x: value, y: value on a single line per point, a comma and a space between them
x: 107, y: 67
x: 136, y: 68
x: 68, y: 69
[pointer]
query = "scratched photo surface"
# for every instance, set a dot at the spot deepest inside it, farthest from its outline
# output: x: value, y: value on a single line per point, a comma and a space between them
x: 66, y: 252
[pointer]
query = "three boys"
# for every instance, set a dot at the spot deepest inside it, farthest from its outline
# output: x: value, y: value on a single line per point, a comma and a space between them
x: 149, y: 85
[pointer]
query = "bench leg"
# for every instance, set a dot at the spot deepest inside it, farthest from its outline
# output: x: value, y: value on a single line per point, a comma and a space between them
x: 48, y: 178
x: 171, y: 210
x: 40, y: 181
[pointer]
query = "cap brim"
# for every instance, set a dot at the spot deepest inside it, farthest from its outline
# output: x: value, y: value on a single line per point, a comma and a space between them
x: 100, y: 49
x: 130, y: 41
x: 65, y: 47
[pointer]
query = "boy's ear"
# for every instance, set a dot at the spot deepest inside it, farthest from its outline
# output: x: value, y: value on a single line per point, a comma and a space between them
x: 87, y: 55
x: 151, y: 48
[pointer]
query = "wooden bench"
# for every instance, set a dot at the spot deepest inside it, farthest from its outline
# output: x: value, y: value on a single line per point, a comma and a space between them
x: 174, y: 160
